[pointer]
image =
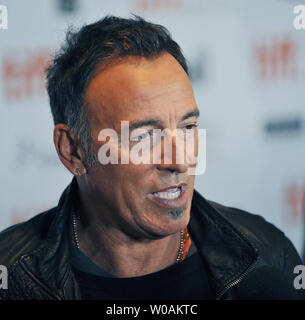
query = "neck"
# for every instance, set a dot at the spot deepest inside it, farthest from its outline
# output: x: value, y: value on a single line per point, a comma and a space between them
x: 122, y: 256
x: 115, y: 251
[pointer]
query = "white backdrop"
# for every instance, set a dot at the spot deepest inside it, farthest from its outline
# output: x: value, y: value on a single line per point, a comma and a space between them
x: 248, y: 71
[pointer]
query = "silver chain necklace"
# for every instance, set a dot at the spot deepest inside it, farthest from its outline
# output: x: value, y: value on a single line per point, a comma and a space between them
x: 77, y: 241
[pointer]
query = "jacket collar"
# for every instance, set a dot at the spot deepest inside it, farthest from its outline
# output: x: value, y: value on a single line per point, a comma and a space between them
x: 225, y: 251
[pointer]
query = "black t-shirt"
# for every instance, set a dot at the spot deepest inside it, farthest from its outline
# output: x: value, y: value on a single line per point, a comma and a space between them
x: 186, y: 280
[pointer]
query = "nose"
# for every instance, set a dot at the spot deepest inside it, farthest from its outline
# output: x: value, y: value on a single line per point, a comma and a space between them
x: 173, y: 155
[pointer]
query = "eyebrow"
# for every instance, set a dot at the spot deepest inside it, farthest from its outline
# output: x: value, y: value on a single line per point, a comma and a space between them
x: 144, y: 123
x: 155, y: 122
x: 191, y: 114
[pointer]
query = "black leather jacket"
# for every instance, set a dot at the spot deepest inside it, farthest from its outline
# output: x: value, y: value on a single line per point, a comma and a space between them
x: 231, y: 242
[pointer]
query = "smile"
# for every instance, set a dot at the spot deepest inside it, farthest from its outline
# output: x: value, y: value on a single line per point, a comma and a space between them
x: 172, y: 193
x: 170, y: 198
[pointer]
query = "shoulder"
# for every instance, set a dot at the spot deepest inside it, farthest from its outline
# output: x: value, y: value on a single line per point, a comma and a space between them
x: 272, y: 243
x: 245, y: 221
x: 24, y: 237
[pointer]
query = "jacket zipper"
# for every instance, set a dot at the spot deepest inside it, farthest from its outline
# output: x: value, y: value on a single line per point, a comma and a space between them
x: 235, y: 282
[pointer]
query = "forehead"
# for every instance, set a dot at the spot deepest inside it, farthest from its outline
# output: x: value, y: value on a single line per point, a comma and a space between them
x: 136, y: 88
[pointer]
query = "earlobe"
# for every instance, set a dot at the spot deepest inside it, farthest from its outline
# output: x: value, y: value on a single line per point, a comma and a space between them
x: 80, y: 171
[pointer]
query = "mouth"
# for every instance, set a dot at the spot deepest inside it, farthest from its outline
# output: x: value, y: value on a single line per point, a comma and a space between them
x: 169, y: 194
x: 172, y: 197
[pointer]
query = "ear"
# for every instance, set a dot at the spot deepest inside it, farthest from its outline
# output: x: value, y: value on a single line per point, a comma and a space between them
x: 69, y: 150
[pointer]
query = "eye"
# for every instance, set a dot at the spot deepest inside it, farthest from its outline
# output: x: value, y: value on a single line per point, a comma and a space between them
x: 139, y: 135
x: 190, y: 126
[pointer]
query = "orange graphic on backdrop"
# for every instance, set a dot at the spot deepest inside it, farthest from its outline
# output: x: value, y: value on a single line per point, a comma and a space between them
x: 294, y: 201
x: 276, y: 59
x: 151, y: 5
x: 24, y: 74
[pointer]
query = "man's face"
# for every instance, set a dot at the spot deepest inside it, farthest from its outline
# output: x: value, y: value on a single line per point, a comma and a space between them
x: 142, y: 200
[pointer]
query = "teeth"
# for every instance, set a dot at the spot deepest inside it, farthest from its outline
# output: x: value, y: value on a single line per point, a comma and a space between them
x: 171, y: 194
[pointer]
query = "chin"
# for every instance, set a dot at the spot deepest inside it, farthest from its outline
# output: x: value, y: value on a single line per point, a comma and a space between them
x: 176, y: 213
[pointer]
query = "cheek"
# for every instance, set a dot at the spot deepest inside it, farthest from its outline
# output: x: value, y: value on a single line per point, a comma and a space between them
x: 137, y: 181
x: 129, y: 179
x: 137, y: 178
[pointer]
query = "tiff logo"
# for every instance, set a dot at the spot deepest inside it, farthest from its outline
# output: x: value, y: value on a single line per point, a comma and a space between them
x: 276, y: 59
x: 23, y: 74
x: 3, y: 277
x: 299, y: 20
x: 3, y: 17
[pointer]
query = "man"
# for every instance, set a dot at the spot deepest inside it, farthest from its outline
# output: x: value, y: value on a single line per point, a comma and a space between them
x: 132, y: 230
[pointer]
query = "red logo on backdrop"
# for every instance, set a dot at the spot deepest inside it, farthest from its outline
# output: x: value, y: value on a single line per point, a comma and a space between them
x: 277, y: 59
x: 24, y: 74
x: 294, y: 201
x: 149, y: 5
